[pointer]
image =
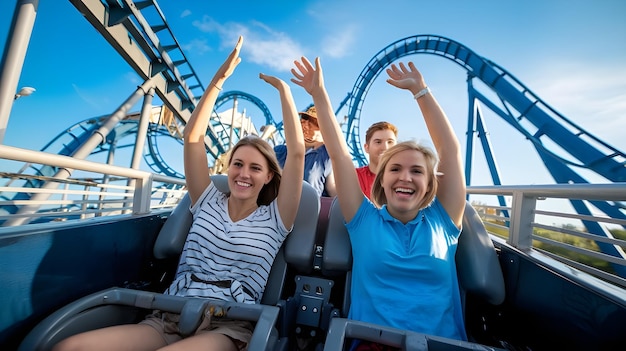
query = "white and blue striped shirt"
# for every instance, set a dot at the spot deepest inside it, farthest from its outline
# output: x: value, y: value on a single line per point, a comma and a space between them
x: 218, y: 249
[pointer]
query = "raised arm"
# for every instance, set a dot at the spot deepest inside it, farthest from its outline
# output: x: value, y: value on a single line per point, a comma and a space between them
x: 195, y: 159
x: 451, y: 191
x: 347, y: 183
x: 290, y: 189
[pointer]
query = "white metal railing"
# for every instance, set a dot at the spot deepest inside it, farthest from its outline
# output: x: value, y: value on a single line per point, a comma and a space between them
x: 532, y: 218
x: 100, y: 190
x: 541, y: 218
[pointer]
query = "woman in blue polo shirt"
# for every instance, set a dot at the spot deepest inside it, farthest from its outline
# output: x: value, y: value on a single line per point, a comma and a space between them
x: 403, y: 240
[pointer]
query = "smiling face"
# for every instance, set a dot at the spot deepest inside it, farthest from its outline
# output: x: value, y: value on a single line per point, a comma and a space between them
x: 310, y: 130
x: 248, y: 172
x: 406, y: 180
x: 381, y: 140
x: 405, y: 183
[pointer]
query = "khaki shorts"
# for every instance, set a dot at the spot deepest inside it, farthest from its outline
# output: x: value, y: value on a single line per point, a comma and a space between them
x: 240, y: 332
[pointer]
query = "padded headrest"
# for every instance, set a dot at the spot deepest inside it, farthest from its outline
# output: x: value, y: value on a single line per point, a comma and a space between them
x: 337, y: 256
x: 171, y: 238
x: 477, y: 263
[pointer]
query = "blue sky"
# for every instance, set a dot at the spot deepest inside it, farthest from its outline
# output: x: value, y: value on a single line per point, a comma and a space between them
x: 570, y: 53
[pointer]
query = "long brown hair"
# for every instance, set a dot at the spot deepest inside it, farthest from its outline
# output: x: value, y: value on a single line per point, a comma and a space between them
x: 270, y: 190
x: 378, y: 193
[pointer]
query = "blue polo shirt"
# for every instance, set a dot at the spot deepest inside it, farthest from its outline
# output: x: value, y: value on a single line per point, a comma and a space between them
x: 404, y: 275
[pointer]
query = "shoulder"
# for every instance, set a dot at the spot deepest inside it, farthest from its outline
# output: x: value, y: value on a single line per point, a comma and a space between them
x: 271, y: 213
x: 281, y: 153
x: 436, y: 214
x: 280, y: 149
x: 212, y: 197
x: 436, y: 207
x: 366, y: 213
x: 363, y: 170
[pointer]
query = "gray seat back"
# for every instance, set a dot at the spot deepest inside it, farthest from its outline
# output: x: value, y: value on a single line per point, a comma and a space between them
x: 337, y: 256
x: 300, y: 244
x: 477, y: 262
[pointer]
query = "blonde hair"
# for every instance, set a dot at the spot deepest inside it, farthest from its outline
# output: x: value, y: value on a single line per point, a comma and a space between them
x: 270, y: 190
x: 378, y: 193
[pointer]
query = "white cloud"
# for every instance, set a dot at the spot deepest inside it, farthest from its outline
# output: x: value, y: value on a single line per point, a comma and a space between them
x: 337, y: 45
x: 274, y: 49
x: 263, y: 45
x: 197, y: 46
x: 185, y: 13
x: 593, y: 97
x: 206, y: 25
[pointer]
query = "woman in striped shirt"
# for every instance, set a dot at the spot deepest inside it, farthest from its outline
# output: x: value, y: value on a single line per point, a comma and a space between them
x: 234, y: 236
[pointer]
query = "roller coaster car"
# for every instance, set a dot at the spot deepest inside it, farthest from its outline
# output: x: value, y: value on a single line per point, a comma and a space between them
x: 299, y: 305
x: 479, y: 275
x: 116, y: 306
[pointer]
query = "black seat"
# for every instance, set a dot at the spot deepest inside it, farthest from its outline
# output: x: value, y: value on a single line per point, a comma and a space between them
x: 478, y: 270
x: 337, y: 257
x: 116, y: 306
x: 306, y: 307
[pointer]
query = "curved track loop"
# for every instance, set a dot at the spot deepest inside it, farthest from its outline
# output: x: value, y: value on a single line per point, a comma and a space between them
x: 516, y: 98
x: 520, y: 103
x: 233, y: 95
x: 153, y: 157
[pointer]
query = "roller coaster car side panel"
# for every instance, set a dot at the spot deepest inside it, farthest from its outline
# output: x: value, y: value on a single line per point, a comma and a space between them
x: 49, y: 265
x: 546, y: 310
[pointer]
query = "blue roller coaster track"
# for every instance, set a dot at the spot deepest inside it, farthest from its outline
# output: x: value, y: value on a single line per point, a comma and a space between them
x: 518, y: 104
x: 538, y: 299
x: 515, y: 103
x: 233, y: 95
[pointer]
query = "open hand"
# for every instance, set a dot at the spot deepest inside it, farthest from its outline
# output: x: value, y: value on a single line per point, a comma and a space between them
x: 307, y: 76
x: 406, y: 78
x: 274, y: 81
x: 227, y: 68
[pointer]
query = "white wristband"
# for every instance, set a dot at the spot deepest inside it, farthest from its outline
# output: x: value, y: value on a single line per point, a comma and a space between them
x: 421, y: 93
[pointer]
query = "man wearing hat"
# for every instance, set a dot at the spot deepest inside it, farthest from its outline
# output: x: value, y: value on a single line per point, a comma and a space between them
x: 317, y: 166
